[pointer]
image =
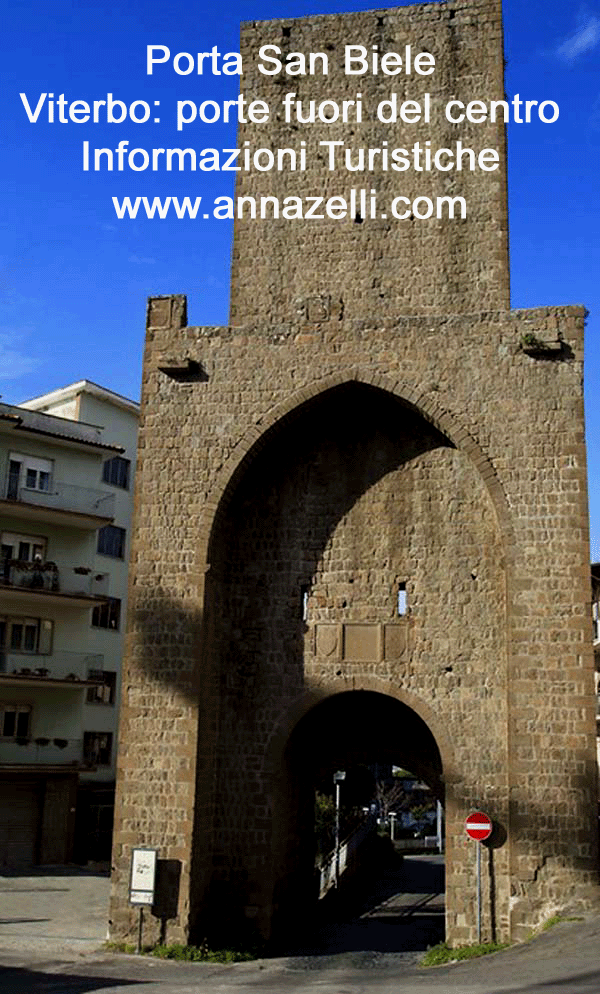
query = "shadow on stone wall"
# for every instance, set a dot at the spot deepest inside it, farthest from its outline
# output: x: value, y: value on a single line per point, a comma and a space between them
x: 333, y: 506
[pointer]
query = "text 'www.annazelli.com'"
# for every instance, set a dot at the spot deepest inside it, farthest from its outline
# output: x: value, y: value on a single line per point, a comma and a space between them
x: 359, y: 205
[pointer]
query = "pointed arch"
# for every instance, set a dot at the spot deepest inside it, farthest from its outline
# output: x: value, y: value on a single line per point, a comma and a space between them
x: 413, y: 397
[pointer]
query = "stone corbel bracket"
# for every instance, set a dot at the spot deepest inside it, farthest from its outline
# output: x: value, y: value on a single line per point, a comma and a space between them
x: 183, y: 371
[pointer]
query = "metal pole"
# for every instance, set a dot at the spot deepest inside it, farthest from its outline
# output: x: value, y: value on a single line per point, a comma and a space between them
x: 337, y: 833
x: 140, y: 926
x: 440, y: 841
x: 478, y: 844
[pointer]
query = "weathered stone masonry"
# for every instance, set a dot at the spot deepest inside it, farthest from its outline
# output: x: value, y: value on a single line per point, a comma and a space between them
x: 370, y: 419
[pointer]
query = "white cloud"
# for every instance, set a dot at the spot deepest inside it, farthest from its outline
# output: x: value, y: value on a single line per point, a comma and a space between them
x: 142, y: 260
x: 583, y: 40
x: 14, y: 361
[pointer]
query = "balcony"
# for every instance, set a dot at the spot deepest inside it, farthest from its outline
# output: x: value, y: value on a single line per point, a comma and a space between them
x: 63, y: 503
x: 44, y: 752
x: 30, y: 584
x: 48, y: 669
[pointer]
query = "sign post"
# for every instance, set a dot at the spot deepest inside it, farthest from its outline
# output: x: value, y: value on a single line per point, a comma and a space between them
x: 141, y: 883
x: 478, y: 826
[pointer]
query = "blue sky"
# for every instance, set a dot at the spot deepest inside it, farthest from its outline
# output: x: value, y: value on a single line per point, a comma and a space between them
x: 74, y: 279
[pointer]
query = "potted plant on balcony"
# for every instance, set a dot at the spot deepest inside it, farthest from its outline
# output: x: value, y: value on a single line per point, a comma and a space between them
x: 54, y: 584
x: 37, y: 579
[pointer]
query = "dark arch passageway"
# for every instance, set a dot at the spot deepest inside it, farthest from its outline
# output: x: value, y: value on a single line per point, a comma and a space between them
x: 393, y: 903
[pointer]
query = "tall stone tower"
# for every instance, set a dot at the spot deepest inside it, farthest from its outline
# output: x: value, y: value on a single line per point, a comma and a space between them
x: 361, y: 527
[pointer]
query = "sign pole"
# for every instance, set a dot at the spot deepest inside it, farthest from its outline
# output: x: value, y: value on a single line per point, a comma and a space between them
x: 478, y: 827
x: 140, y: 927
x: 337, y: 834
x: 478, y: 845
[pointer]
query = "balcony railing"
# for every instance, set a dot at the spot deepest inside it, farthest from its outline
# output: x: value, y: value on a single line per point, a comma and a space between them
x: 76, y: 580
x: 65, y: 497
x: 59, y: 665
x: 43, y: 750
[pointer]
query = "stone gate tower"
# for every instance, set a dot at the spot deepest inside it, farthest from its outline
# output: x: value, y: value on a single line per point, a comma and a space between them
x: 375, y: 428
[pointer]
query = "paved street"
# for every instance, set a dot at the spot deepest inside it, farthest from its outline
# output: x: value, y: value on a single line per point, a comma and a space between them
x: 563, y: 961
x: 52, y: 927
x: 400, y: 912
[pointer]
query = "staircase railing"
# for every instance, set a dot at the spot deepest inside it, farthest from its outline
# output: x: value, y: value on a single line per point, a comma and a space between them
x: 348, y: 855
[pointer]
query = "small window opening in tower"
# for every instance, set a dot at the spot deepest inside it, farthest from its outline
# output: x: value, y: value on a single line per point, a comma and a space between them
x: 304, y: 593
x: 402, y: 607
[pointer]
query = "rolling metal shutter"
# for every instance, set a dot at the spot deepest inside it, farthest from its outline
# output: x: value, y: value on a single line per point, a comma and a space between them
x: 19, y: 823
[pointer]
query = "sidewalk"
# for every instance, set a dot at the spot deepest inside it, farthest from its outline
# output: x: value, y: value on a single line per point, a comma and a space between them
x: 61, y: 910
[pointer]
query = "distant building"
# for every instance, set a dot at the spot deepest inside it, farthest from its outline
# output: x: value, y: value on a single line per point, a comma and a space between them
x: 67, y: 462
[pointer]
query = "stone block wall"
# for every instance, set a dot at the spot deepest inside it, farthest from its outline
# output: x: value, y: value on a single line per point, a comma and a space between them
x: 380, y: 267
x: 348, y: 459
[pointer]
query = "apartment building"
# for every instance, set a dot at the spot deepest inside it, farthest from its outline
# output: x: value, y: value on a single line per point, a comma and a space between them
x: 67, y: 462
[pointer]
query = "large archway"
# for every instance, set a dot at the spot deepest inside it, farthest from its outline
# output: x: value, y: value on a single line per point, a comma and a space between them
x: 356, y: 547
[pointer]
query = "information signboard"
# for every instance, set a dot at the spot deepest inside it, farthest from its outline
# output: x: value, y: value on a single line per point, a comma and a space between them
x: 143, y: 874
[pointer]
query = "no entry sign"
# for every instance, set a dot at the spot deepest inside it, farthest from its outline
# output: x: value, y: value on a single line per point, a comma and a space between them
x: 478, y: 826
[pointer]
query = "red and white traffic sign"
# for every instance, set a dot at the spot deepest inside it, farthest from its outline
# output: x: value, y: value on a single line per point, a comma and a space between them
x: 478, y: 826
